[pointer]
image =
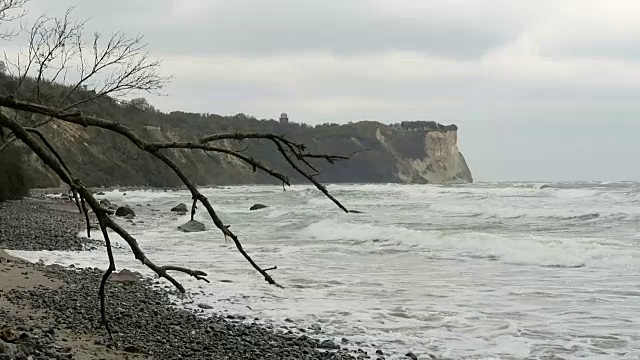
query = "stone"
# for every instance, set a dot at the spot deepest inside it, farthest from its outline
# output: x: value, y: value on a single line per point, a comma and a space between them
x: 181, y: 208
x: 205, y: 306
x: 329, y: 344
x: 379, y: 352
x: 100, y: 193
x: 124, y: 211
x: 125, y: 275
x: 257, y: 207
x: 192, y: 226
x: 105, y: 202
x: 130, y: 216
x: 132, y: 349
x: 8, y: 350
x: 9, y: 334
x: 411, y: 356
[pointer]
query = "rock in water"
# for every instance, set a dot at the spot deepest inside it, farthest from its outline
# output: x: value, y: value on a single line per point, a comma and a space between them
x: 182, y: 208
x: 105, y: 202
x: 411, y: 356
x: 205, y: 306
x: 192, y: 226
x: 125, y: 211
x: 257, y: 207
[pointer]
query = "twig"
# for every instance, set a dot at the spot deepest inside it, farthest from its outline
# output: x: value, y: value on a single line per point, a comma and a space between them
x: 105, y: 276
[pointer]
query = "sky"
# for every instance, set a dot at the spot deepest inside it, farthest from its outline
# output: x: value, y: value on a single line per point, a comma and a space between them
x: 542, y: 90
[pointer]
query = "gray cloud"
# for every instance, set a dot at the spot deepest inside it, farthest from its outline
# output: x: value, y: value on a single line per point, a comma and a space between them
x: 254, y: 28
x: 543, y: 90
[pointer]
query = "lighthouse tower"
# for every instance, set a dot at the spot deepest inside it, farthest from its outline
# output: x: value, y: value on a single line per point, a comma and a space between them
x: 284, y: 119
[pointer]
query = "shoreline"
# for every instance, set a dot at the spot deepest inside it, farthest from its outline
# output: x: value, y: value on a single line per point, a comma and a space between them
x: 55, y: 310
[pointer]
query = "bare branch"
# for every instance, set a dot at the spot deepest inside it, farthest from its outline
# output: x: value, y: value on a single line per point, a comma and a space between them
x: 154, y: 149
x: 193, y: 208
x: 129, y: 68
x: 249, y: 160
x: 51, y: 39
x: 308, y: 177
x: 114, y: 67
x: 86, y: 217
x: 103, y: 216
x: 11, y: 10
x: 107, y: 273
x: 50, y: 147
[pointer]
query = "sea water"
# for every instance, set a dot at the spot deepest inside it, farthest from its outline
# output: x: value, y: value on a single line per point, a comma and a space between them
x: 479, y: 271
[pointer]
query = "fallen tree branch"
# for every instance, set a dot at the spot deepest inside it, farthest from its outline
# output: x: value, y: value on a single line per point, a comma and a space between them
x: 154, y: 148
x: 308, y: 176
x: 196, y: 146
x: 103, y: 216
x: 105, y: 276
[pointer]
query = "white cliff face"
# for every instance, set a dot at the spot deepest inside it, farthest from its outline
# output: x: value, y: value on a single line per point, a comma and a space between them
x: 440, y: 163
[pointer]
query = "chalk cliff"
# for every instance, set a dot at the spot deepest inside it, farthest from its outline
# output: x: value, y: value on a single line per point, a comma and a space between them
x: 429, y: 156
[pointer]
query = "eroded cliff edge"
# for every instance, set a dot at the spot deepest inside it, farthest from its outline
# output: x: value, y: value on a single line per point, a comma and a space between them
x: 409, y: 152
x: 431, y: 155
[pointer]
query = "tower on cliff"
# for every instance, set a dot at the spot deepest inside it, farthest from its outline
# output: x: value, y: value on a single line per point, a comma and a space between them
x: 284, y: 119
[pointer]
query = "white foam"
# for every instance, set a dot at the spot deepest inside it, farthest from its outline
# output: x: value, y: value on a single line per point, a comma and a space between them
x: 484, y: 271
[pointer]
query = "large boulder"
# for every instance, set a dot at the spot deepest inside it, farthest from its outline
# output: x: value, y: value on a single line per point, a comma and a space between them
x: 105, y: 202
x: 181, y: 208
x: 257, y: 207
x: 124, y: 211
x: 192, y: 226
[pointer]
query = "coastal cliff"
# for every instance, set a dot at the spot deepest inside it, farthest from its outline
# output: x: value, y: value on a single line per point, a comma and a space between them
x: 409, y: 152
x: 430, y: 156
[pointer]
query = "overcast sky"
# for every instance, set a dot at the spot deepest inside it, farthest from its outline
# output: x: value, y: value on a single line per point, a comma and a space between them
x: 541, y: 90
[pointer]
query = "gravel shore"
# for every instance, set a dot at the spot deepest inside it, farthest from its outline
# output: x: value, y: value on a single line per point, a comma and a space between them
x: 51, y: 312
x: 41, y: 224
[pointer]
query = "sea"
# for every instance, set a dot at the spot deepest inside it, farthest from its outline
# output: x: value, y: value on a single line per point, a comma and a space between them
x: 473, y: 271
